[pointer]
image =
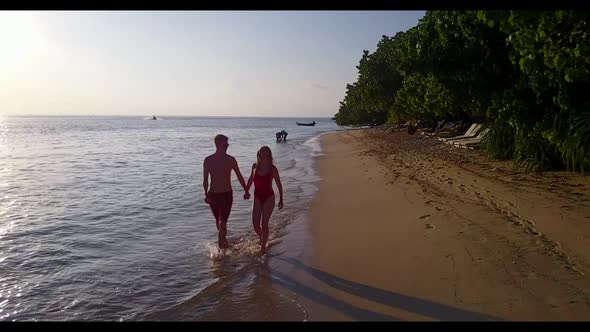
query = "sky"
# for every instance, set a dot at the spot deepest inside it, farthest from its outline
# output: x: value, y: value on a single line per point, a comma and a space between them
x: 190, y: 63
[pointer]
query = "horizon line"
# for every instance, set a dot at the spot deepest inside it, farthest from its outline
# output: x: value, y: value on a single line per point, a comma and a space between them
x: 164, y: 116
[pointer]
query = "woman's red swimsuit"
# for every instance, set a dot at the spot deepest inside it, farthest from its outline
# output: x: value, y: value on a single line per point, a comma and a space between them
x: 263, y: 186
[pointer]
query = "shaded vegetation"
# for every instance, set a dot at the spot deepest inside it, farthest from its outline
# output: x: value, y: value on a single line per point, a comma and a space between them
x: 524, y: 74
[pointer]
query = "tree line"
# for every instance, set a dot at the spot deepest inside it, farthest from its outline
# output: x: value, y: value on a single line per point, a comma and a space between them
x: 523, y: 74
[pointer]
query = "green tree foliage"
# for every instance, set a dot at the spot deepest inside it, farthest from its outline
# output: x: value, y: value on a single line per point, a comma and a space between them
x: 525, y: 75
x: 423, y: 97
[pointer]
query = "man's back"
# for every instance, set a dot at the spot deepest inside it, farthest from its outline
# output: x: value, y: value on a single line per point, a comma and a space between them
x: 220, y: 167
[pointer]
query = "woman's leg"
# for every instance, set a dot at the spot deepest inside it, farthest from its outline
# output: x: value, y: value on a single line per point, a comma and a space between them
x: 267, y: 209
x: 256, y: 214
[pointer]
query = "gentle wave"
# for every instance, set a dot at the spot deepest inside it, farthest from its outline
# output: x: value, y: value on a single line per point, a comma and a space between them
x: 104, y: 219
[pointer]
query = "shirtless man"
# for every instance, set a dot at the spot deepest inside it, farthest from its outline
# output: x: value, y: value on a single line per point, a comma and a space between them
x: 220, y: 196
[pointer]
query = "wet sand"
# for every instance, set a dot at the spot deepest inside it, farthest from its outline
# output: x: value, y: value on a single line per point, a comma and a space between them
x: 406, y: 228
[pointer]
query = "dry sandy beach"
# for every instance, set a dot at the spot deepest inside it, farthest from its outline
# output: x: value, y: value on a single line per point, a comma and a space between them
x: 406, y: 228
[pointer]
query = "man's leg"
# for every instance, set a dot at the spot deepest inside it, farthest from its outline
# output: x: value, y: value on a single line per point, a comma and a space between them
x: 215, y: 210
x: 217, y: 207
x: 226, y: 201
x: 221, y: 240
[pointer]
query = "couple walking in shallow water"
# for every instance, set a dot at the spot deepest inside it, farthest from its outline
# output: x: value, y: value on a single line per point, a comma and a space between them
x: 219, y: 194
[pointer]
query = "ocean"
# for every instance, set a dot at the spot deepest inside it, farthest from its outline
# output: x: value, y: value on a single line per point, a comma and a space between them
x: 103, y: 218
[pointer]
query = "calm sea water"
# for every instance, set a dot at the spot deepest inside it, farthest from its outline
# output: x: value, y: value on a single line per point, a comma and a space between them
x: 102, y: 218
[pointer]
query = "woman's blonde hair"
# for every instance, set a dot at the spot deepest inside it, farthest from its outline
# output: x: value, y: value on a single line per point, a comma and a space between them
x: 259, y: 153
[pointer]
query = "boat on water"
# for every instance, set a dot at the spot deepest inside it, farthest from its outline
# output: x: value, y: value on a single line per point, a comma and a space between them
x: 309, y: 124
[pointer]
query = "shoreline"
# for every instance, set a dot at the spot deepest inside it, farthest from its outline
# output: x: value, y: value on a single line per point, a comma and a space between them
x: 400, y: 233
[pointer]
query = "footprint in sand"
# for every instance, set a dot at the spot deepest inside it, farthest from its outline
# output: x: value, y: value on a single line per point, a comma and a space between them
x: 429, y: 226
x: 437, y: 208
x: 425, y: 216
x: 533, y: 231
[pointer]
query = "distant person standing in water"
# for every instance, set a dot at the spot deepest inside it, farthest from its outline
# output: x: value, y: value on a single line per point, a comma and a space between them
x: 219, y: 195
x: 263, y: 172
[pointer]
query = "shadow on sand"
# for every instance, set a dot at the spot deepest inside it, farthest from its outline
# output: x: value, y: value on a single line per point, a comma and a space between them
x: 327, y: 300
x: 394, y: 300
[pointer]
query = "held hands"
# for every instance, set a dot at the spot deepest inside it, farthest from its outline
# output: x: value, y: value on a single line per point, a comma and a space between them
x: 207, y: 199
x: 247, y: 195
x: 280, y: 203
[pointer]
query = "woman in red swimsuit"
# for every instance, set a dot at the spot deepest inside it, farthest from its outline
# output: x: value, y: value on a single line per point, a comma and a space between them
x: 263, y: 172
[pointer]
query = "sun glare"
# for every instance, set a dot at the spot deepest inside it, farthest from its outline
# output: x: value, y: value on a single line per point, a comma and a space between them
x: 21, y: 38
